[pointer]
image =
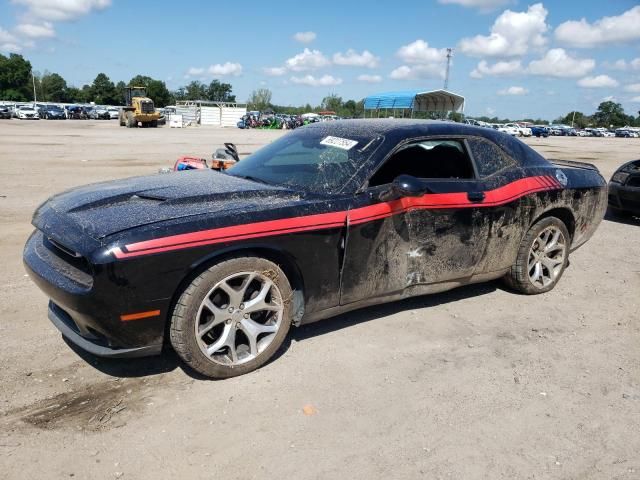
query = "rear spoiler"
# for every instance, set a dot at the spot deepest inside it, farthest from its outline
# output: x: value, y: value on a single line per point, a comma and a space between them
x: 574, y: 164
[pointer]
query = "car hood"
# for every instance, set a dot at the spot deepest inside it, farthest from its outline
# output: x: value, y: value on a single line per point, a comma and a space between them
x: 104, y: 209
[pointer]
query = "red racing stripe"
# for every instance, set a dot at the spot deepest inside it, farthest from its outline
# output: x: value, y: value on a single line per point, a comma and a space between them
x: 498, y: 196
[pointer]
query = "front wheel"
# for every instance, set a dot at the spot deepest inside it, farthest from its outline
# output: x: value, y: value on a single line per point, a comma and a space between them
x: 542, y: 257
x: 233, y: 317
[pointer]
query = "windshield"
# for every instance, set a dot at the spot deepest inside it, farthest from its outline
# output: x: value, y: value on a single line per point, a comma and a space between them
x: 309, y: 160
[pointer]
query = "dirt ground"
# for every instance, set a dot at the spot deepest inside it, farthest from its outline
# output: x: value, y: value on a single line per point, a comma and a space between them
x: 475, y: 383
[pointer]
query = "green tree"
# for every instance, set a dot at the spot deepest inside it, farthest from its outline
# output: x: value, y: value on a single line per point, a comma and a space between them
x: 577, y: 119
x: 259, y: 99
x: 103, y: 91
x: 156, y: 89
x: 53, y: 88
x: 456, y: 117
x: 196, y: 90
x: 611, y: 114
x: 220, y: 92
x: 332, y: 102
x: 15, y: 78
x: 120, y: 87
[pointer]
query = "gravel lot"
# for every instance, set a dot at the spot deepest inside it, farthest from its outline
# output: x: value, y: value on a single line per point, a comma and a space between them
x: 474, y: 383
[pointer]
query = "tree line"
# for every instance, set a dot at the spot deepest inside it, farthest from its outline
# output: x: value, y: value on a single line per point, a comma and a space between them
x: 17, y: 84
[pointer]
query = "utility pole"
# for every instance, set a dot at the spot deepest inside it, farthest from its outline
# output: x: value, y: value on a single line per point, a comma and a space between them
x: 33, y: 79
x: 573, y: 118
x: 446, y: 76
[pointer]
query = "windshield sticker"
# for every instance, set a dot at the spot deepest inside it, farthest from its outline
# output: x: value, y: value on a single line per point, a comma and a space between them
x: 343, y: 143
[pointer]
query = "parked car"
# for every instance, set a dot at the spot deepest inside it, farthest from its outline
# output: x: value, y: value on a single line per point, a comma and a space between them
x: 52, y: 112
x: 5, y: 112
x: 539, y: 131
x: 326, y: 219
x: 114, y: 113
x: 509, y: 130
x: 624, y: 189
x: 27, y: 112
x: 77, y: 112
x: 99, y: 112
x: 626, y: 132
x: 522, y: 131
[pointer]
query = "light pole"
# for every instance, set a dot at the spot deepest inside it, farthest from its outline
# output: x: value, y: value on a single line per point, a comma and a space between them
x: 33, y: 80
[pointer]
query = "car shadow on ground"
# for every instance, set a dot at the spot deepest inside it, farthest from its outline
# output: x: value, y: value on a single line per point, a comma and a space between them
x: 367, y: 314
x: 169, y: 360
x: 625, y: 219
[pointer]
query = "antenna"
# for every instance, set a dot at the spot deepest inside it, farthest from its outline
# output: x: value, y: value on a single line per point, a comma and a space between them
x: 446, y: 77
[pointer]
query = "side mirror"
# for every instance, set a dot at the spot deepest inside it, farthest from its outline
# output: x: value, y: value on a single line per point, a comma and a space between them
x: 404, y: 186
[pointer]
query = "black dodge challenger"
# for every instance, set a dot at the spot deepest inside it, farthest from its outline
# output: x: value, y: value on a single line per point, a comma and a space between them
x: 331, y: 217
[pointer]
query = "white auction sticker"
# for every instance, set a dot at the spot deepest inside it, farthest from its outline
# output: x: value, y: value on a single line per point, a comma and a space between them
x: 343, y: 143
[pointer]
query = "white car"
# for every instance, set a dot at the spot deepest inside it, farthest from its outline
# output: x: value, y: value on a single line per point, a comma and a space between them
x: 510, y: 130
x: 522, y: 131
x: 114, y: 113
x: 27, y: 112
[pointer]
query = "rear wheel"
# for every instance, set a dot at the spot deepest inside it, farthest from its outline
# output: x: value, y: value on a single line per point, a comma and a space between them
x: 154, y: 123
x: 542, y: 257
x: 233, y: 317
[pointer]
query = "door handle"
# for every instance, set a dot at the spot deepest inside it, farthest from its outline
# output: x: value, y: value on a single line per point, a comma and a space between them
x: 476, y: 196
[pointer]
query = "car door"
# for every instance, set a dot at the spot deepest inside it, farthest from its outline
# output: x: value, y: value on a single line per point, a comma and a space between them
x: 397, y: 244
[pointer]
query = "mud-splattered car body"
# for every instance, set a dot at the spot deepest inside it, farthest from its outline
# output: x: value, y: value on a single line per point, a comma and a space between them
x: 624, y: 189
x: 114, y: 256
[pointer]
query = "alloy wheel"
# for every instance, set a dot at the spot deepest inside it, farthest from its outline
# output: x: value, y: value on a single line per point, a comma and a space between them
x: 547, y: 257
x: 238, y: 318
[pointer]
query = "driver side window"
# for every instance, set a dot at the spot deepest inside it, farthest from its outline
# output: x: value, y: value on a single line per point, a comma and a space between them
x: 429, y: 159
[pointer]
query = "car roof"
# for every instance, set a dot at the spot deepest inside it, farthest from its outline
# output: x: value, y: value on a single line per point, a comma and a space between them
x: 397, y: 130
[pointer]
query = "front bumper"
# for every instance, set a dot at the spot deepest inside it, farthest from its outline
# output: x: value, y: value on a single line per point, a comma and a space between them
x: 96, y: 346
x: 87, y: 304
x: 624, y: 198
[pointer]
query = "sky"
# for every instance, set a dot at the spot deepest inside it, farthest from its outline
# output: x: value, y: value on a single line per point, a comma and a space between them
x: 510, y: 58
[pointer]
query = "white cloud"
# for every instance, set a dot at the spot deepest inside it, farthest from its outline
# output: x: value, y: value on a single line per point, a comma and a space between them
x: 61, y: 10
x: 557, y: 63
x: 195, y: 72
x: 275, y: 71
x: 355, y: 59
x: 623, y: 65
x: 636, y: 99
x: 405, y: 72
x: 481, y: 4
x: 512, y: 34
x: 369, y: 78
x: 599, y: 81
x: 324, y: 81
x: 225, y: 69
x: 498, y: 69
x: 608, y: 98
x: 419, y: 52
x: 307, y: 60
x: 623, y: 28
x: 31, y: 30
x: 633, y: 88
x: 8, y: 42
x: 617, y: 65
x: 305, y: 37
x: 513, y: 91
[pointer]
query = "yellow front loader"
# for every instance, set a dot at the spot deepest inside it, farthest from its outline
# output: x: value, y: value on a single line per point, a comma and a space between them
x: 139, y: 109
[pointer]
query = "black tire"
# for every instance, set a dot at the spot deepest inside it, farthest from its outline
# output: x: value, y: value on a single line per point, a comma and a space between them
x: 182, y: 332
x: 131, y: 120
x: 518, y: 277
x: 154, y: 123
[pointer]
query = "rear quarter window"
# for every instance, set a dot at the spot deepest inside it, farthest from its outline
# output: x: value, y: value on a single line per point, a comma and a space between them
x: 488, y: 156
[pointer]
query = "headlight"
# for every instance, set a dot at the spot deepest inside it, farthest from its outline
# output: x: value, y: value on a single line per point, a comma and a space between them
x: 619, y: 177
